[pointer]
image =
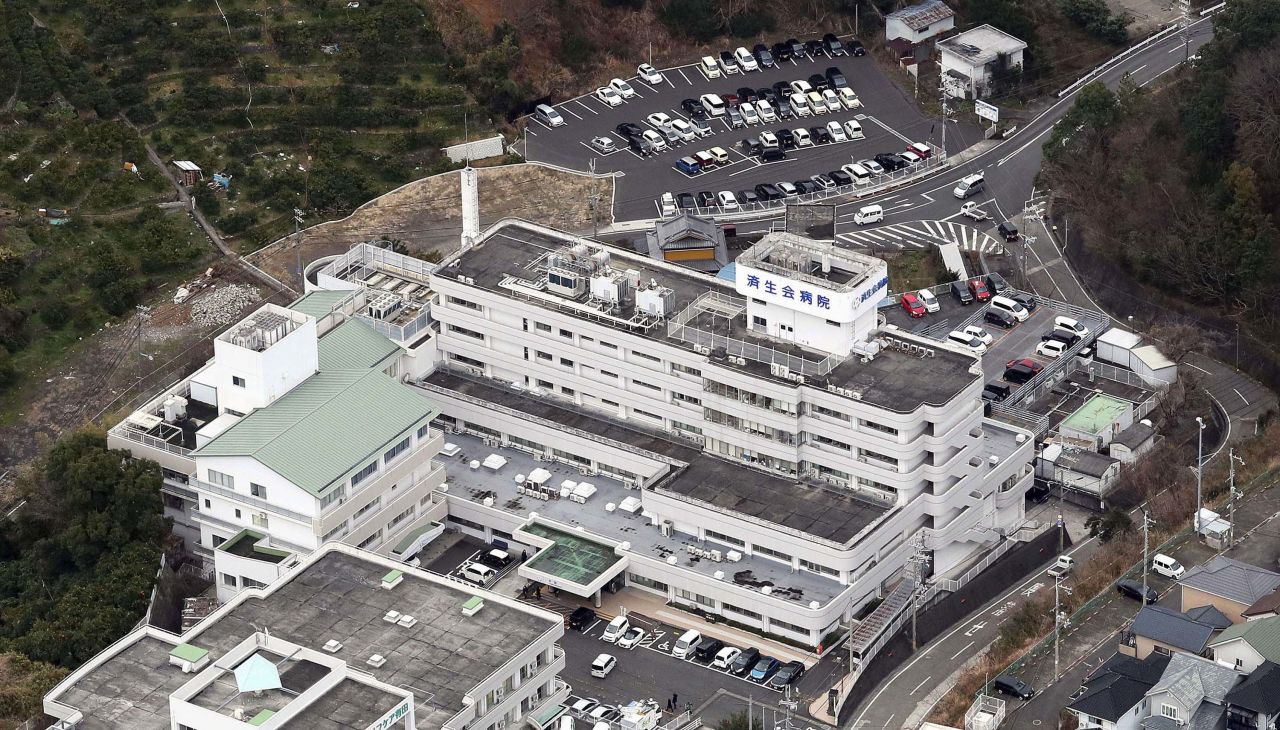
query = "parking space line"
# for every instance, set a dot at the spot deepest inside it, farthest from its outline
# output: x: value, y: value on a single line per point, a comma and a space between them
x: 584, y: 106
x: 890, y: 130
x: 686, y: 78
x: 566, y: 110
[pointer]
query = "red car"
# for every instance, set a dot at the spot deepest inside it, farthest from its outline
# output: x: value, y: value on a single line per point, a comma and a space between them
x: 912, y: 304
x: 1025, y: 362
x: 920, y: 149
x: 979, y: 289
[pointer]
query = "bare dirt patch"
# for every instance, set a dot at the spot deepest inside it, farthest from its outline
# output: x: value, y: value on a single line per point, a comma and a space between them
x: 426, y: 216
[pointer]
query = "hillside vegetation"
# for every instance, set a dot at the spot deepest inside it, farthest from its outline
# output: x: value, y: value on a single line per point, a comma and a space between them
x: 1173, y: 195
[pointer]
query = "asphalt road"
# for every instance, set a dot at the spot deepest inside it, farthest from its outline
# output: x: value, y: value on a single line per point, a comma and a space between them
x: 889, y: 119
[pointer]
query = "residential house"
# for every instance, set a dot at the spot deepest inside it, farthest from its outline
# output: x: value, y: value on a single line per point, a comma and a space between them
x: 1113, y: 697
x: 1087, y: 476
x: 917, y: 23
x: 1247, y: 645
x: 1265, y: 607
x: 1130, y: 444
x: 972, y: 59
x: 1191, y: 693
x: 1161, y: 630
x: 1254, y: 704
x: 1229, y: 585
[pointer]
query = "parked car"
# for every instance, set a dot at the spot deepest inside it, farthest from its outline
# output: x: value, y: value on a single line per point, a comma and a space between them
x: 746, y: 61
x: 724, y: 658
x: 640, y: 146
x: 658, y: 141
x: 921, y: 149
x: 1071, y: 325
x: 1130, y: 588
x: 1026, y: 300
x: 890, y: 161
x: 581, y: 618
x: 627, y: 129
x: 979, y: 289
x: 802, y: 136
x: 631, y: 638
x: 788, y: 189
x: 929, y: 301
x: 735, y: 117
x: 966, y: 340
x: 720, y: 155
x: 749, y: 113
x: 707, y: 649
x: 744, y: 662
x: 813, y: 47
x: 683, y: 129
x: 797, y: 49
x: 822, y: 181
x: 609, y: 96
x: 820, y: 135
x: 615, y: 629
x: 873, y: 166
x: 766, y: 112
x: 764, y: 669
x: 815, y: 101
x: 649, y: 74
x: 667, y: 205
x: 705, y: 199
x: 763, y: 57
x: 840, y: 177
x: 727, y: 64
x: 583, y: 707
x: 622, y: 88
x: 686, y: 644
x: 694, y: 108
x: 849, y: 99
x: 769, y: 139
x: 996, y: 391
x: 1051, y: 348
x: 1012, y: 686
x: 768, y: 192
x: 700, y: 126
x: 818, y: 82
x: 832, y: 101
x: 977, y: 332
x: 685, y: 201
x: 1167, y: 566
x: 726, y: 201
x: 781, y: 52
x: 603, y: 145
x: 548, y: 115
x: 1066, y: 337
x: 659, y: 120
x: 836, y: 130
x: 747, y: 197
x: 788, y: 673
x: 961, y: 292
x: 836, y: 79
x: 1018, y: 374
x: 997, y: 283
x: 855, y: 47
x: 912, y: 306
x: 999, y: 319
x: 832, y: 45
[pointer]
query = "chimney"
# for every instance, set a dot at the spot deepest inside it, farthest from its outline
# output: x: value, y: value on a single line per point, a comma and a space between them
x: 470, y: 207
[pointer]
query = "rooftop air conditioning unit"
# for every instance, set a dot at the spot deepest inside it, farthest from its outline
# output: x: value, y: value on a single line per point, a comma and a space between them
x: 666, y: 528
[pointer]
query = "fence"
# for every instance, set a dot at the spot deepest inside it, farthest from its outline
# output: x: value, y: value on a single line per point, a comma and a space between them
x: 478, y: 150
x: 951, y: 585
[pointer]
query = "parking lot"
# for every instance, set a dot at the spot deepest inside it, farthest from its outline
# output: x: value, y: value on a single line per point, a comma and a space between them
x: 649, y: 671
x: 889, y: 121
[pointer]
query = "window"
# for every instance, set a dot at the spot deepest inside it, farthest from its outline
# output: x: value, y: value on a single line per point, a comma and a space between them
x: 685, y: 398
x: 466, y: 523
x: 695, y: 597
x: 237, y: 381
x: 229, y: 579
x: 251, y: 583
x: 872, y: 484
x: 878, y: 427
x: 526, y: 444
x: 371, y: 540
x: 685, y: 427
x: 368, y: 508
x: 758, y: 301
x: 222, y: 480
x: 1169, y: 711
x: 741, y: 611
x: 218, y: 540
x: 364, y: 473
x: 542, y: 327
x: 544, y: 356
x: 776, y: 624
x: 816, y: 568
x: 865, y: 456
x: 819, y: 438
x: 566, y: 334
x: 396, y: 450
x: 584, y: 339
x: 464, y: 303
x: 468, y: 361
x: 337, y: 532
x: 643, y: 384
x: 260, y: 520
x: 207, y: 505
x: 608, y: 345
x: 829, y: 413
x: 649, y: 583
x: 833, y: 323
x: 721, y: 537
x: 646, y: 356
x: 760, y: 550
x: 759, y: 322
x: 686, y: 369
x: 566, y: 391
x: 422, y: 432
x: 257, y: 490
x: 546, y: 384
x: 1164, y: 651
x: 405, y: 515
x: 228, y: 411
x: 237, y: 514
x: 608, y: 373
x: 334, y: 496
x: 466, y: 332
x: 608, y: 402
x: 566, y: 362
x: 647, y: 414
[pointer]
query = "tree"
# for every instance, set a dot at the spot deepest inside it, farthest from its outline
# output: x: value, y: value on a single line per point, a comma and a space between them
x: 740, y: 721
x: 1113, y: 523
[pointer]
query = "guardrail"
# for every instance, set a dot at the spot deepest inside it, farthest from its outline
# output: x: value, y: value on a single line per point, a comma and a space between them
x: 1107, y: 64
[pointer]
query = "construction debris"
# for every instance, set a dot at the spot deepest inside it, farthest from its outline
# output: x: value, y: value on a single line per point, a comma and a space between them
x: 223, y: 305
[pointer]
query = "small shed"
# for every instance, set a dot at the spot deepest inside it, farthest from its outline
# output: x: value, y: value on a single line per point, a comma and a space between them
x: 1154, y: 367
x: 1130, y: 444
x: 1096, y: 423
x: 189, y: 173
x: 916, y: 23
x: 1116, y: 346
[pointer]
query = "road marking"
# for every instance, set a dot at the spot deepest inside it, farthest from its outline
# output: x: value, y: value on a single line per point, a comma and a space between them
x: 966, y: 648
x: 1162, y: 73
x: 1197, y: 367
x: 1028, y: 143
x: 529, y: 131
x: 982, y: 624
x: 686, y: 78
x: 918, y: 686
x: 1136, y: 70
x: 566, y: 110
x: 584, y: 106
x: 1246, y: 400
x: 891, y: 130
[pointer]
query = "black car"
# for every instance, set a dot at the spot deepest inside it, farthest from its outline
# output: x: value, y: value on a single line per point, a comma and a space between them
x: 836, y: 79
x: 768, y: 95
x: 832, y: 45
x: 814, y: 47
x: 686, y: 201
x: 727, y: 59
x: 890, y: 161
x: 1026, y: 300
x: 763, y: 57
x: 772, y: 154
x: 840, y: 177
x: 1067, y: 339
x: 640, y: 146
x: 784, y: 111
x: 1012, y: 686
x: 707, y: 650
x: 768, y: 191
x: 782, y: 89
x: 996, y: 391
x: 782, y: 51
x: 744, y: 662
x: 1019, y: 373
x: 581, y: 618
x: 1008, y: 231
x: 786, y: 138
x: 855, y: 48
x: 961, y: 292
x: 820, y: 135
x: 747, y: 197
x: 807, y: 186
x: 628, y: 130
x: 746, y: 93
x: 1133, y: 589
x: 996, y: 283
x: 789, y: 673
x: 1039, y: 493
x: 797, y: 49
x: 751, y: 146
x: 705, y: 199
x: 999, y: 318
x: 818, y: 82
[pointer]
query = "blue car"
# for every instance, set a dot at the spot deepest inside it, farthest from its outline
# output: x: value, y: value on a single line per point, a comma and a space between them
x: 764, y: 669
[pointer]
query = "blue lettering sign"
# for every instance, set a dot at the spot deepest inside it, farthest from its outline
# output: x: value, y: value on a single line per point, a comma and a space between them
x: 884, y: 282
x: 806, y: 297
x: 770, y: 287
x: 788, y: 292
x: 823, y: 302
x: 753, y: 281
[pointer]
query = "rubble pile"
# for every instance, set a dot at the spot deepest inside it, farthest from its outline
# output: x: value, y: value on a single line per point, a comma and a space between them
x: 223, y: 304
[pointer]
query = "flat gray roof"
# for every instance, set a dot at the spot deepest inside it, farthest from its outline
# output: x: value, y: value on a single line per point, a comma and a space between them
x: 815, y: 510
x: 131, y: 690
x: 892, y: 380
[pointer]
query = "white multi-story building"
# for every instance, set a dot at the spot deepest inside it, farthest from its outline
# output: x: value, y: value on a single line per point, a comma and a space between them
x: 346, y: 640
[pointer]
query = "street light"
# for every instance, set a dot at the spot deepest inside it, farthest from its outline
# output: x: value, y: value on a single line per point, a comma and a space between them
x: 1199, y: 472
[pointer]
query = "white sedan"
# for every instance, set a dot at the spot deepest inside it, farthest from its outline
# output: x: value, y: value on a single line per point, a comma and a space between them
x: 649, y: 74
x: 837, y: 132
x: 658, y: 120
x: 745, y: 59
x: 979, y: 334
x: 658, y: 141
x: 1051, y: 349
x: 623, y: 88
x: 631, y: 638
x: 929, y: 301
x: 727, y: 200
x: 608, y: 96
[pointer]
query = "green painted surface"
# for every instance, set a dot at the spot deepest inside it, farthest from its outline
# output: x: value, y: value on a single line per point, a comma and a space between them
x: 1097, y: 414
x: 1262, y: 634
x: 392, y: 577
x: 413, y: 535
x: 188, y: 653
x: 261, y: 718
x: 472, y: 602
x: 354, y: 345
x: 572, y: 557
x: 318, y: 303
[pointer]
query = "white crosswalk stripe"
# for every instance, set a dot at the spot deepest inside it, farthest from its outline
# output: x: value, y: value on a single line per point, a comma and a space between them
x: 920, y: 234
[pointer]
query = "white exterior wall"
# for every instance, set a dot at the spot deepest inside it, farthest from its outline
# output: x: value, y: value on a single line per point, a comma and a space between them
x: 268, y: 374
x: 1237, y: 654
x: 896, y: 28
x: 979, y: 75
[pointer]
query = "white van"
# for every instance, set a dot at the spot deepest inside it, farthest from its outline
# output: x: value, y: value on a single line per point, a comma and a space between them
x: 478, y: 573
x: 1071, y: 326
x: 868, y: 214
x: 970, y: 185
x: 853, y: 129
x: 686, y: 644
x: 615, y: 629
x: 860, y: 174
x: 566, y: 722
x: 603, y: 665
x: 1167, y: 566
x: 549, y: 116
x: 799, y: 105
x: 710, y: 67
x: 967, y: 340
x: 1010, y: 307
x: 713, y: 104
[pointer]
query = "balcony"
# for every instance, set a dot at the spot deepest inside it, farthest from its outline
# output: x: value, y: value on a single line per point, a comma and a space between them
x: 261, y: 504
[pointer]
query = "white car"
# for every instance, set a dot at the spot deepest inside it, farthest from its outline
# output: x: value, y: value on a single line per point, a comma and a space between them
x: 603, y: 145
x: 965, y: 340
x: 658, y: 141
x: 725, y: 657
x: 623, y: 88
x: 632, y: 638
x: 801, y: 87
x: 683, y: 129
x: 615, y: 629
x: 608, y: 96
x: 853, y: 130
x: 832, y: 101
x: 748, y: 112
x: 803, y: 138
x: 746, y: 60
x: 912, y: 158
x: 872, y: 166
x: 584, y: 705
x: 720, y: 155
x: 658, y: 120
x: 837, y: 132
x: 601, y: 668
x: 1051, y: 348
x: 668, y: 204
x: 849, y: 99
x: 649, y: 74
x: 727, y: 201
x: 929, y: 301
x: 768, y: 139
x: 822, y: 181
x: 816, y: 103
x: 799, y: 105
x: 788, y: 189
x: 765, y: 110
x: 978, y: 333
x: 1070, y: 325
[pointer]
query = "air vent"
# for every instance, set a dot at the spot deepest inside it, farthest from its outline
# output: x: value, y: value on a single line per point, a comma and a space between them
x: 376, y: 661
x: 333, y: 646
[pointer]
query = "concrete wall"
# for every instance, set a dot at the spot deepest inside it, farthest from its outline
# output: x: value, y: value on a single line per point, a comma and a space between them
x: 1192, y: 598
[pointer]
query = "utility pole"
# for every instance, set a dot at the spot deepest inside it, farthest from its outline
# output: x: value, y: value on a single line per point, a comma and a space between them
x: 1146, y: 525
x: 918, y: 561
x: 593, y: 201
x: 1231, y: 476
x: 1199, y: 472
x: 298, y: 215
x: 1184, y: 20
x: 942, y: 90
x: 1057, y: 621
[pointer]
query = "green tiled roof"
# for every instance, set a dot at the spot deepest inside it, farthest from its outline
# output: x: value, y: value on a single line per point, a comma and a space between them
x: 1262, y: 634
x: 1097, y: 414
x: 329, y: 426
x: 318, y: 303
x: 354, y: 345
